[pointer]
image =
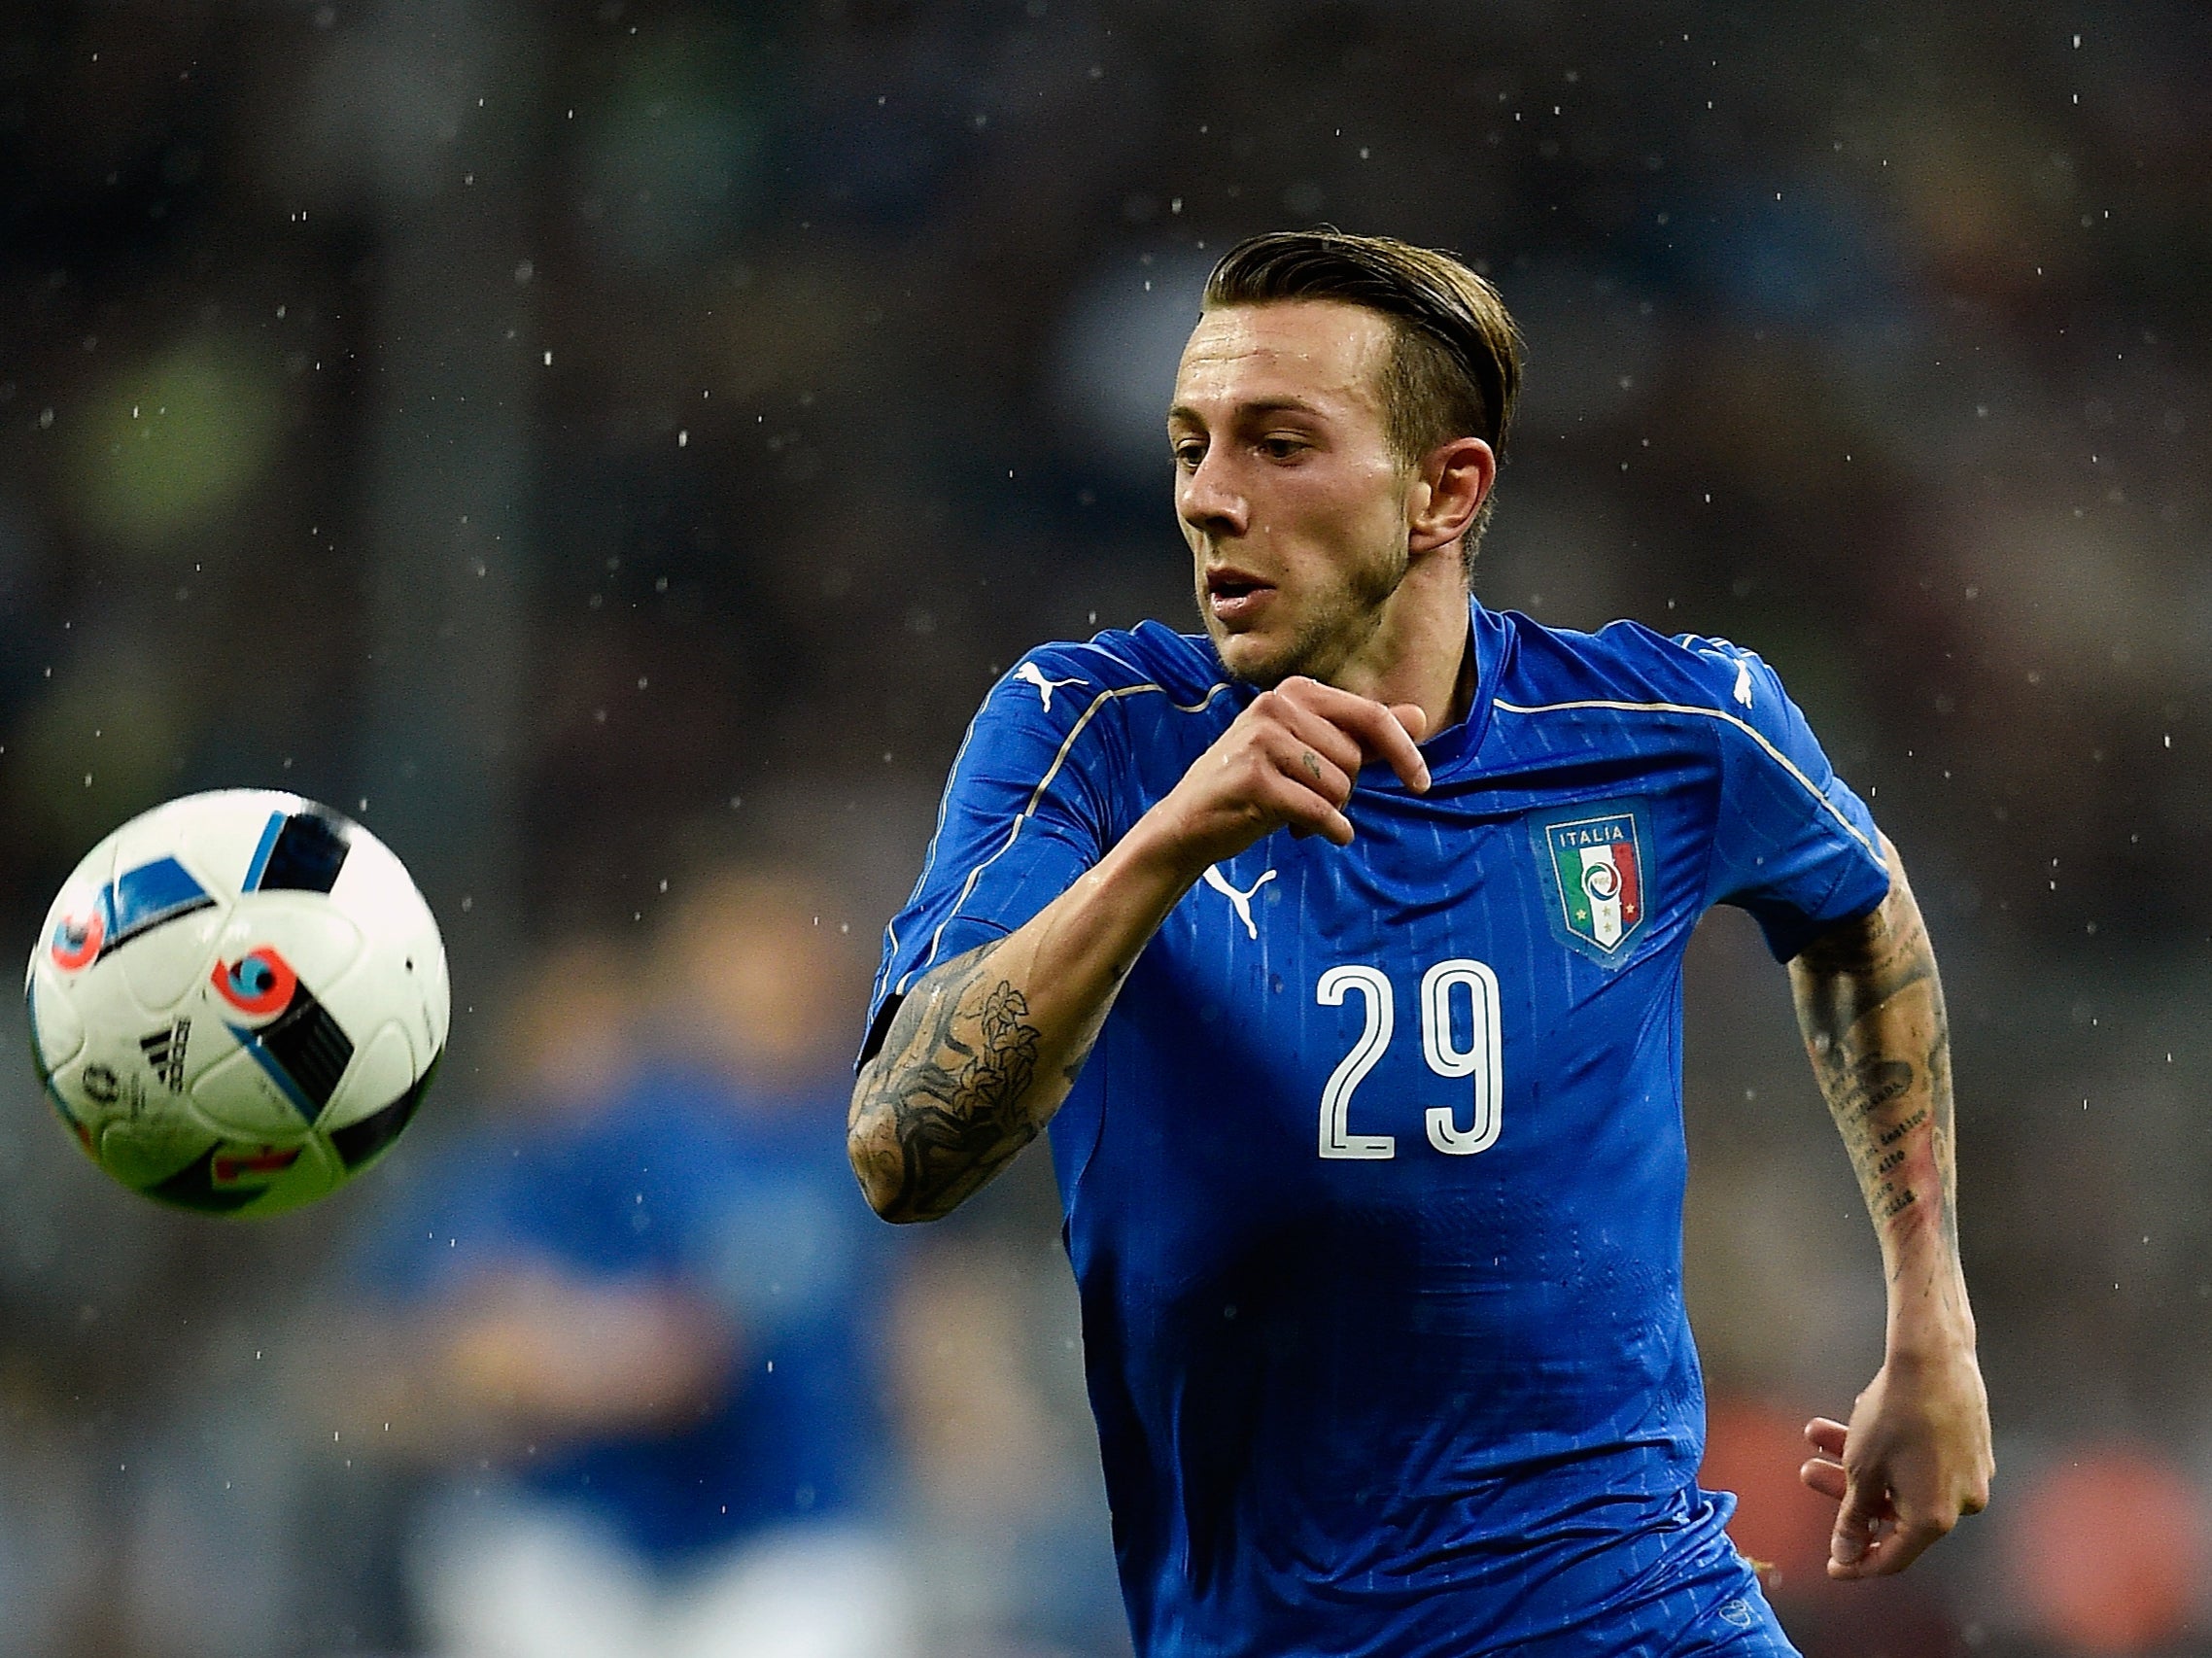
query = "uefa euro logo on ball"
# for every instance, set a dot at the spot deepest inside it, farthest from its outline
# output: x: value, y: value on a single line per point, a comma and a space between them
x: 238, y: 1002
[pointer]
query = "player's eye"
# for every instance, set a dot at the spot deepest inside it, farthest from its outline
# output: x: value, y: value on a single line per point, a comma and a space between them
x: 1281, y: 448
x: 1189, y: 453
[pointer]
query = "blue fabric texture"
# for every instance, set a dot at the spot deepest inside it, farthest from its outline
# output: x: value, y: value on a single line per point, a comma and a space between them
x: 748, y: 1207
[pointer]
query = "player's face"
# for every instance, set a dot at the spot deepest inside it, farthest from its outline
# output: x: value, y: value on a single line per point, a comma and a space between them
x: 1288, y: 493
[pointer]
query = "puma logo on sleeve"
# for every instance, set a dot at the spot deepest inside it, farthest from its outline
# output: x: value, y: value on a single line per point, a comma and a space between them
x: 1030, y: 673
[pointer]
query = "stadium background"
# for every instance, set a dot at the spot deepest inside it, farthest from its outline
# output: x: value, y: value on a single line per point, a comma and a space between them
x: 604, y: 444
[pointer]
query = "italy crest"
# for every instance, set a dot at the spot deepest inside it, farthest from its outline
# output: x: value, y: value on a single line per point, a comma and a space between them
x: 1597, y: 868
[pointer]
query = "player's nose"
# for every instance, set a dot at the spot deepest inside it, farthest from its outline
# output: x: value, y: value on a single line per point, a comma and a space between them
x: 1209, y: 501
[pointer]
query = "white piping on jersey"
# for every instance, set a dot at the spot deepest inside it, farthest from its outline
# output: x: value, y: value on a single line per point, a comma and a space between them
x: 929, y: 860
x: 1726, y: 719
x: 1037, y: 794
x: 936, y: 834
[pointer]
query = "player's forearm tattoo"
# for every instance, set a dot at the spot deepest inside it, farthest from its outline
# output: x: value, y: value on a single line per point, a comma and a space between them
x: 1870, y: 1007
x: 945, y: 1105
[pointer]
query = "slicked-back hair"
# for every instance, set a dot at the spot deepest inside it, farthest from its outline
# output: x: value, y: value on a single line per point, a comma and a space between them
x: 1455, y: 361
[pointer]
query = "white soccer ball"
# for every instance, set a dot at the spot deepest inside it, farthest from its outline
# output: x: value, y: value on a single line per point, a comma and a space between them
x: 238, y: 1001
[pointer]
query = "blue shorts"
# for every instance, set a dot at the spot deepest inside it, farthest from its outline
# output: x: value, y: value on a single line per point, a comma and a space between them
x: 1702, y: 1602
x: 1743, y: 1626
x: 1718, y: 1610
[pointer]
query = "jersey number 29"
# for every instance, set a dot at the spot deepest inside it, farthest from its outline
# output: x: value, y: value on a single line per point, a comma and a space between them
x: 1478, y: 1059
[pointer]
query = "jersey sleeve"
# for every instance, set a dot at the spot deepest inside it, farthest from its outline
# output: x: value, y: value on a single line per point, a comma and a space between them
x: 1025, y: 812
x: 1792, y: 845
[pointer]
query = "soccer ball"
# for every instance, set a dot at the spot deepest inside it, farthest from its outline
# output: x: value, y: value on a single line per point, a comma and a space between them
x: 238, y: 1001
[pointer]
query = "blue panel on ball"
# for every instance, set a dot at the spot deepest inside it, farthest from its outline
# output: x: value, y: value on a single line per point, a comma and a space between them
x: 299, y: 853
x: 261, y: 850
x: 148, y: 895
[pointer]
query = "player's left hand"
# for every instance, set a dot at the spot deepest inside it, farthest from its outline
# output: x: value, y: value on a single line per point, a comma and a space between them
x: 1914, y: 1458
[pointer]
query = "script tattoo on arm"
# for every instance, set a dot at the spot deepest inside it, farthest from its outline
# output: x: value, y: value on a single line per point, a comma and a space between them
x: 1872, y: 1012
x: 947, y: 1100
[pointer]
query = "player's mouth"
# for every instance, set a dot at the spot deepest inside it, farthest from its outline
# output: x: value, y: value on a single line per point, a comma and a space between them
x: 1235, y: 596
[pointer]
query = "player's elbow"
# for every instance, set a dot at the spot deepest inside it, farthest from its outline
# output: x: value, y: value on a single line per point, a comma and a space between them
x: 879, y: 1168
x: 867, y: 1161
x: 901, y: 1210
x: 884, y: 1196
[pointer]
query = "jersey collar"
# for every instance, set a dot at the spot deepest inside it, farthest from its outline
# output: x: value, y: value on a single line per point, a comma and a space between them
x: 1458, y: 744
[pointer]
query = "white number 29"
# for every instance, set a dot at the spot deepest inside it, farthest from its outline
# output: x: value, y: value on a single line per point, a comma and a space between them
x: 1477, y: 1059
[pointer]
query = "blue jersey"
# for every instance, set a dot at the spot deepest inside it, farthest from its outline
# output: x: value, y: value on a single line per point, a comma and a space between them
x: 671, y: 1184
x: 1373, y: 1181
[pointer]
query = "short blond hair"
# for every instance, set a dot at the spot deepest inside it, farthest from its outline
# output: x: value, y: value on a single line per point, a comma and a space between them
x: 1455, y: 361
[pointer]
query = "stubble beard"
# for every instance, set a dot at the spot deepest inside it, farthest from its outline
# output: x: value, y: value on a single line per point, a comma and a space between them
x: 1341, y: 624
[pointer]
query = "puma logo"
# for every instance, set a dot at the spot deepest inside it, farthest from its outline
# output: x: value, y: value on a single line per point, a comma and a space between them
x: 1743, y: 662
x: 1240, y: 902
x: 1030, y: 673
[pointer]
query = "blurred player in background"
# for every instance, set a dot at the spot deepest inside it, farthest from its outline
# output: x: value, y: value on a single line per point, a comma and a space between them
x: 1370, y: 1135
x: 638, y: 1295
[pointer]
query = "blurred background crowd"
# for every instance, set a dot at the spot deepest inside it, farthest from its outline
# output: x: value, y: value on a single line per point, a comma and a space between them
x: 611, y: 447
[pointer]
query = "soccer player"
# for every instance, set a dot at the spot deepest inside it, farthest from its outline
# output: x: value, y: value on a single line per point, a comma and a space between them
x: 1342, y: 948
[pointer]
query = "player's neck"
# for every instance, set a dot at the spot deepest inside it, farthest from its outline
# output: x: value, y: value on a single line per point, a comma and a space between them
x: 1422, y: 651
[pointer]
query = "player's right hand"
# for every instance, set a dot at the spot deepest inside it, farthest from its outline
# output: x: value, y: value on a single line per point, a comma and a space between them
x: 1289, y: 761
x: 1914, y: 1459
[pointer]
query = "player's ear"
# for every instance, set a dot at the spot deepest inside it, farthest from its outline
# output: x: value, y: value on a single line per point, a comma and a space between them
x: 1450, y: 486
